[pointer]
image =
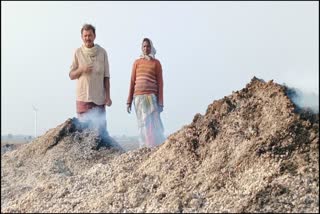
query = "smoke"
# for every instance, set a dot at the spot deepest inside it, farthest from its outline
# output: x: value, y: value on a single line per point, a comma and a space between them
x: 304, y: 99
x: 95, y: 119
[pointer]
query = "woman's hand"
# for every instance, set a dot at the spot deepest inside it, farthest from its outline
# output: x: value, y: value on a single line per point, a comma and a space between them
x: 129, y: 108
x: 160, y: 108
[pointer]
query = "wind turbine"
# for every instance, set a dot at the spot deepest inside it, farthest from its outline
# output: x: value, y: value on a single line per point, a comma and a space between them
x: 35, y: 120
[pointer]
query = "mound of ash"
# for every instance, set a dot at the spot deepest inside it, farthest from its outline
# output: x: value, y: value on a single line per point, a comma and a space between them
x: 252, y: 151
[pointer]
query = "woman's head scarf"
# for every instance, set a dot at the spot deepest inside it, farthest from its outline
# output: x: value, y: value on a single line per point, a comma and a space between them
x: 152, y: 53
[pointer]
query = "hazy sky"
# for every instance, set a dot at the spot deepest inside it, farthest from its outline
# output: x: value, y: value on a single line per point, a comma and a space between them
x: 207, y: 50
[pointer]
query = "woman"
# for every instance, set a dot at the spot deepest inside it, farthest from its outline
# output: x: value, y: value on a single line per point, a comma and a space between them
x: 146, y: 93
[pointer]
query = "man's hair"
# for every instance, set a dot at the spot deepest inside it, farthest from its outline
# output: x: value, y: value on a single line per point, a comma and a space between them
x: 88, y: 27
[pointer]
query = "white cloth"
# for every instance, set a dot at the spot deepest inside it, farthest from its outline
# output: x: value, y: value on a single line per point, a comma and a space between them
x: 151, y: 130
x: 90, y: 53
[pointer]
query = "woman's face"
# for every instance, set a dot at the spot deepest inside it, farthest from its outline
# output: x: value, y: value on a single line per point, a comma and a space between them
x: 146, y: 48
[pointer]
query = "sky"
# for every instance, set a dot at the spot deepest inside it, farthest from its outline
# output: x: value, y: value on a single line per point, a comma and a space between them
x: 207, y: 50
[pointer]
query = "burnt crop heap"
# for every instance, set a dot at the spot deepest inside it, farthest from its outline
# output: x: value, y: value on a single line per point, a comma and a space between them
x: 252, y: 151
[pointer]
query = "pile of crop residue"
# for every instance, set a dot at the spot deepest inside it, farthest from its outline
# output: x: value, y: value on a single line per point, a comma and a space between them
x: 252, y: 151
x: 7, y: 147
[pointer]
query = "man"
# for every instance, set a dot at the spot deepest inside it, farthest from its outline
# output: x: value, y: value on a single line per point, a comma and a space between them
x: 91, y: 69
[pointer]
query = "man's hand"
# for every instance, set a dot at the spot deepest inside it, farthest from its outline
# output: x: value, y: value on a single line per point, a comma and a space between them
x: 75, y: 74
x: 87, y: 68
x: 108, y: 102
x: 129, y: 108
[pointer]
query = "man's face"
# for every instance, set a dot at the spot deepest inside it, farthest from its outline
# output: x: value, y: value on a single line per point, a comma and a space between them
x: 146, y: 48
x: 88, y: 38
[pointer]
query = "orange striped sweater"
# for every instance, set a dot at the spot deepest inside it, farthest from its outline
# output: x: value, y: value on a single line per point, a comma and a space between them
x: 146, y: 78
